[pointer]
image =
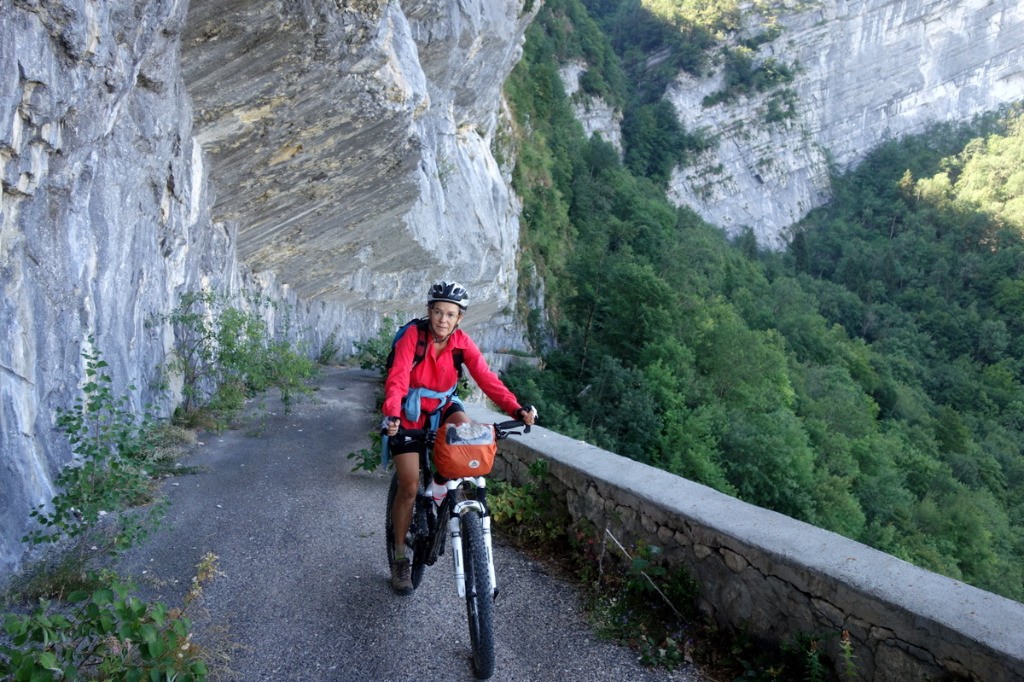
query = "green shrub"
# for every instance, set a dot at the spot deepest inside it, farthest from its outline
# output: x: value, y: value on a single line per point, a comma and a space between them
x: 195, y: 347
x: 225, y: 355
x: 638, y: 601
x: 105, y: 634
x: 289, y: 371
x: 373, y: 353
x: 526, y: 513
x: 368, y: 459
x: 108, y: 476
x: 329, y: 349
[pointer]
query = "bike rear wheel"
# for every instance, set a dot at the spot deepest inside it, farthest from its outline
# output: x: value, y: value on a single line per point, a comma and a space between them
x: 412, y: 549
x: 479, y: 598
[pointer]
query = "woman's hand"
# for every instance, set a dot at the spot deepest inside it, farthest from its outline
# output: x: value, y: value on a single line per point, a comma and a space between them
x: 389, y: 426
x: 527, y: 414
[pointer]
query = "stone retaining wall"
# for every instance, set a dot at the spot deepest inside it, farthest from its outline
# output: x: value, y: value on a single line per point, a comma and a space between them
x: 776, y: 577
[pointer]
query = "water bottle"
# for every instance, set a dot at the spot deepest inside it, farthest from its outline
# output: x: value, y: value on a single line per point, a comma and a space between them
x: 437, y: 491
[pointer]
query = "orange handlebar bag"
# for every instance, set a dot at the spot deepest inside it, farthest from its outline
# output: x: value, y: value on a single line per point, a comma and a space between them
x: 463, y: 450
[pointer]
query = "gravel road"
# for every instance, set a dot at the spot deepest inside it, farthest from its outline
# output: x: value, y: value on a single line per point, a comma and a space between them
x: 304, y: 593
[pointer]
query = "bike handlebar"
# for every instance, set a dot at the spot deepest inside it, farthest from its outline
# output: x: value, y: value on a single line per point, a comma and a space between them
x: 504, y: 429
x: 501, y: 430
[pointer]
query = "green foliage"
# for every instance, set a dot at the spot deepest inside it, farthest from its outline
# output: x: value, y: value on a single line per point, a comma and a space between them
x: 287, y: 370
x: 54, y: 577
x: 368, y: 459
x: 868, y: 380
x: 329, y: 350
x: 814, y: 669
x: 544, y: 154
x: 804, y: 657
x: 989, y: 173
x: 849, y: 669
x: 744, y: 76
x: 929, y: 260
x: 526, y: 513
x: 225, y: 355
x: 373, y: 353
x: 107, y: 634
x: 780, y: 106
x: 108, y: 476
x: 680, y: 37
x: 657, y: 141
x: 636, y: 600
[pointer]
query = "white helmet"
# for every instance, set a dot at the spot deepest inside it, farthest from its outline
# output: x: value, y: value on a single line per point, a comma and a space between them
x: 451, y: 292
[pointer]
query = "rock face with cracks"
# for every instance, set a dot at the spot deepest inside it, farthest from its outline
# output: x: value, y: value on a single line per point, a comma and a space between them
x: 332, y: 157
x: 356, y: 142
x: 865, y: 71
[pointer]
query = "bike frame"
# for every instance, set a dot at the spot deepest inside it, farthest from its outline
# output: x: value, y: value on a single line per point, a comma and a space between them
x: 457, y: 509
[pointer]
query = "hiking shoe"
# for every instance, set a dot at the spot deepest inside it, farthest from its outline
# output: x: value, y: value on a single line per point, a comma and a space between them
x: 401, y: 576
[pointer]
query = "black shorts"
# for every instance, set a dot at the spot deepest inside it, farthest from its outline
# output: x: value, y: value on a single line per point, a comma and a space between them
x: 399, y: 446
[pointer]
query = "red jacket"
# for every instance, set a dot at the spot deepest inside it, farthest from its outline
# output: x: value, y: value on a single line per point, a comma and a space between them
x: 439, y: 374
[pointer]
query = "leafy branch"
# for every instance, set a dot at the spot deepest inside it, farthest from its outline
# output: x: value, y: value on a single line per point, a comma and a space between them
x: 107, y: 476
x: 106, y: 634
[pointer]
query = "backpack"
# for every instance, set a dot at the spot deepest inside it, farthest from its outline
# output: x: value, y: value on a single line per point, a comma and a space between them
x: 422, y: 325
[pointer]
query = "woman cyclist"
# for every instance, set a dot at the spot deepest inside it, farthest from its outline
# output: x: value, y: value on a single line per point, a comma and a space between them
x: 415, y: 390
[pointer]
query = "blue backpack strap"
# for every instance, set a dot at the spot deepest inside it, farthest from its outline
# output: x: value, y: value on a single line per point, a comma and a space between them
x: 421, y: 343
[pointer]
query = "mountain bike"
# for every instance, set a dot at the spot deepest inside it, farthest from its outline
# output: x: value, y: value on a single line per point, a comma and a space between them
x: 464, y: 518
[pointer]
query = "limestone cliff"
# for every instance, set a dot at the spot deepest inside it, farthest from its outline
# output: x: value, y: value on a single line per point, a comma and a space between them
x: 867, y: 70
x: 353, y: 139
x: 334, y: 156
x: 595, y: 115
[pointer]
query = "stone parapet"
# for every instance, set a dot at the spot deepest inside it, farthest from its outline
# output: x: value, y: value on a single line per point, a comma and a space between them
x: 777, y: 578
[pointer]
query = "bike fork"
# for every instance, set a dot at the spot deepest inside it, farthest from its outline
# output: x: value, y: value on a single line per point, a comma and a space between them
x: 455, y: 529
x: 486, y: 523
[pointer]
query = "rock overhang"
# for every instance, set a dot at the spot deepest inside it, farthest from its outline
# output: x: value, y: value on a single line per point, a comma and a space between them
x: 306, y: 119
x: 337, y: 145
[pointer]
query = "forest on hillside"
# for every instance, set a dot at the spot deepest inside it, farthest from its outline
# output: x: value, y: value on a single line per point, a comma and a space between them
x: 868, y: 380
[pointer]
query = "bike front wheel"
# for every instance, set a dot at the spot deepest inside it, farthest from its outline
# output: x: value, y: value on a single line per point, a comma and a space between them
x: 479, y: 597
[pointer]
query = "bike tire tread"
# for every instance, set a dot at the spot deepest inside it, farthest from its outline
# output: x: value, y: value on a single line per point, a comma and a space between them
x: 479, y: 597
